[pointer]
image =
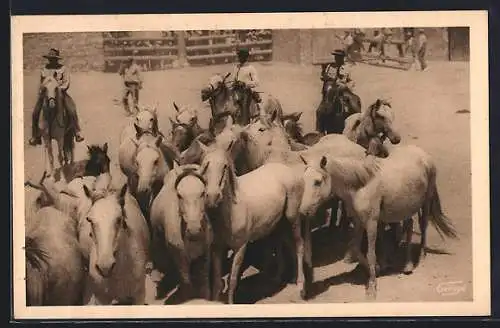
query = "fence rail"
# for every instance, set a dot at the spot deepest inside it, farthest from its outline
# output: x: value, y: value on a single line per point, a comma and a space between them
x: 178, y: 48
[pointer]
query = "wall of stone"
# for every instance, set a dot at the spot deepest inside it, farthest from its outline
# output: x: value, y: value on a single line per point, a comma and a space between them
x: 81, y: 51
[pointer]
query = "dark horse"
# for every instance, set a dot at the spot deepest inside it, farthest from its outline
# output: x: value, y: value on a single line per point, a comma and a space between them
x: 96, y: 164
x: 332, y: 111
x: 295, y: 132
x: 55, y: 123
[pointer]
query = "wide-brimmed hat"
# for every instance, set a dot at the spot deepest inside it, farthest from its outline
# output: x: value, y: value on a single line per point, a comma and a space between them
x: 421, y: 30
x: 53, y: 54
x: 243, y: 52
x: 338, y: 52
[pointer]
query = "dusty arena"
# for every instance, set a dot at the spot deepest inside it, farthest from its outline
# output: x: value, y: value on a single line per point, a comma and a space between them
x: 432, y: 111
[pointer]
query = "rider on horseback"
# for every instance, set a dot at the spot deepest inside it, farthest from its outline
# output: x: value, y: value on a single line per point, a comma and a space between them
x: 339, y: 73
x: 62, y: 74
x: 245, y: 75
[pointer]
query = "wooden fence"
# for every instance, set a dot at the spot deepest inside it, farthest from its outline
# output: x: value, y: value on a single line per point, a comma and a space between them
x: 171, y: 49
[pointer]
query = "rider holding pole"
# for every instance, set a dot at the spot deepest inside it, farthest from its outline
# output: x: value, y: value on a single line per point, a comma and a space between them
x: 62, y: 75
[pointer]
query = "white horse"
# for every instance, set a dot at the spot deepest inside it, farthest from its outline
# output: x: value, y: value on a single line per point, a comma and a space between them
x: 405, y: 185
x: 117, y: 237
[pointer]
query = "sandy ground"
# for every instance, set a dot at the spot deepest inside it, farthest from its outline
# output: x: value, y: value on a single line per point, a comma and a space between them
x: 425, y: 104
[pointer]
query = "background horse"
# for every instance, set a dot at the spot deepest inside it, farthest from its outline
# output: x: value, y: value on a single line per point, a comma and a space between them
x: 181, y: 229
x: 185, y: 128
x: 55, y: 124
x: 294, y: 130
x: 405, y: 185
x: 117, y: 232
x: 242, y: 211
x: 97, y: 163
x: 54, y: 265
x: 332, y: 111
x: 376, y: 121
x: 218, y: 94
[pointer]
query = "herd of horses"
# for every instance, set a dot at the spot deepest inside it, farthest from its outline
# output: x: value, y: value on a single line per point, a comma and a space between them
x: 197, y: 200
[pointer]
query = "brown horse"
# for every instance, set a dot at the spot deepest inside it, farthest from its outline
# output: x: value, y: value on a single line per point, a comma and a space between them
x: 404, y: 186
x: 55, y: 124
x: 97, y: 163
x: 185, y: 127
x: 294, y: 130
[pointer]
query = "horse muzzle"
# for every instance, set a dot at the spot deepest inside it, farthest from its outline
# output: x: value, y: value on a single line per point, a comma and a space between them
x: 394, y: 137
x: 52, y: 103
x: 105, y: 269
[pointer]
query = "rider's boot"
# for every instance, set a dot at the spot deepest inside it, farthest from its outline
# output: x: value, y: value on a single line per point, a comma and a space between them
x: 35, y: 139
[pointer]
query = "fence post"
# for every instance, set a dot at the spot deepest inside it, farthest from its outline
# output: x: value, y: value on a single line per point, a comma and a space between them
x: 181, y: 48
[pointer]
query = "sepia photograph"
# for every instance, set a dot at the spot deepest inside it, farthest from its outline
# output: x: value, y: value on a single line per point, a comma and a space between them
x: 319, y: 164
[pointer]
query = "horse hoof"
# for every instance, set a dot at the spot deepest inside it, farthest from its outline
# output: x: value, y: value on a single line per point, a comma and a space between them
x: 371, y: 292
x: 408, y: 269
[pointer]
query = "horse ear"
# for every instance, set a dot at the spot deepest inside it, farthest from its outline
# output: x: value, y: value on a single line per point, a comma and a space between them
x: 378, y: 103
x: 296, y: 116
x: 175, y: 165
x: 87, y: 191
x: 226, y: 76
x: 105, y: 147
x: 172, y: 122
x: 88, y: 147
x: 121, y: 195
x: 176, y: 107
x: 158, y: 141
x: 303, y: 159
x: 230, y: 145
x: 274, y: 115
x: 203, y: 147
x: 323, y: 162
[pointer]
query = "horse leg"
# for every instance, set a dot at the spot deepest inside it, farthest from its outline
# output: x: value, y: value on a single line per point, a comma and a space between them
x: 308, y: 265
x: 371, y: 234
x: 408, y: 231
x: 217, y: 254
x: 60, y: 153
x: 235, y: 272
x: 422, y: 222
x: 50, y: 155
x: 183, y: 265
x: 205, y: 277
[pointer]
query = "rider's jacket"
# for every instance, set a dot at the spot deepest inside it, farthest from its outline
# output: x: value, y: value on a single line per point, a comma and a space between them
x: 247, y: 74
x: 60, y: 73
x: 340, y: 74
x: 131, y: 74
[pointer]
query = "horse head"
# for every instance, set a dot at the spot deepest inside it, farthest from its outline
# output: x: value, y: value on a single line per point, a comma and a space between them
x: 50, y: 88
x: 108, y: 223
x: 149, y: 160
x: 382, y: 117
x: 147, y: 120
x: 218, y: 170
x: 376, y: 147
x: 99, y: 160
x: 190, y: 188
x: 292, y: 126
x: 317, y: 185
x: 216, y: 85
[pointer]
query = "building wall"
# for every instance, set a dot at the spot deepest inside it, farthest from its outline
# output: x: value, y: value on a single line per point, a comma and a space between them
x: 81, y: 51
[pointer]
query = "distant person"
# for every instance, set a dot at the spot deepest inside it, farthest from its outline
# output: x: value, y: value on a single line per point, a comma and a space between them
x: 377, y: 39
x: 62, y: 75
x: 422, y: 49
x: 348, y: 42
x: 132, y: 83
x: 411, y: 47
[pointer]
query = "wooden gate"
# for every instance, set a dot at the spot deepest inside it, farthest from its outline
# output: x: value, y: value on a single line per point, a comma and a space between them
x: 168, y: 49
x: 458, y: 43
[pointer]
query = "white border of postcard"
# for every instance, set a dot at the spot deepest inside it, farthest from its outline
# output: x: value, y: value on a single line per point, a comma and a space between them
x: 476, y: 20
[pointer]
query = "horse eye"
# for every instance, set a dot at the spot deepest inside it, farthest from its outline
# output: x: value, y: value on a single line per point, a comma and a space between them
x: 179, y: 196
x: 317, y: 183
x: 89, y: 220
x: 262, y: 129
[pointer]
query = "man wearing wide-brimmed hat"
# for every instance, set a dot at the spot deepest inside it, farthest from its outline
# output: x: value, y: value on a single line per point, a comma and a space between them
x: 339, y: 73
x: 422, y: 48
x: 132, y: 82
x: 62, y: 75
x: 245, y: 74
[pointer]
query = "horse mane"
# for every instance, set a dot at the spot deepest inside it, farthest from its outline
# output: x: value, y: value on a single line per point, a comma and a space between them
x: 189, y: 171
x: 297, y: 128
x: 37, y: 263
x: 169, y: 153
x: 376, y: 105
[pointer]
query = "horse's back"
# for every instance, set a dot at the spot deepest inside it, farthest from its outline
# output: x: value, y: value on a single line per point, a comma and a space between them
x: 350, y: 122
x: 56, y: 235
x: 137, y: 222
x: 336, y: 144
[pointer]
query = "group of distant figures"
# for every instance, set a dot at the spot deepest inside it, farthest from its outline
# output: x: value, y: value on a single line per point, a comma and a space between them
x: 414, y: 43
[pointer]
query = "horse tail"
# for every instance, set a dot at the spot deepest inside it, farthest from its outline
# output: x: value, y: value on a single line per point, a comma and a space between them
x: 438, y: 219
x: 36, y: 272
